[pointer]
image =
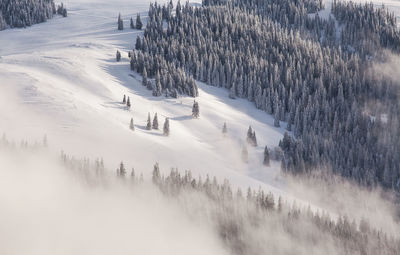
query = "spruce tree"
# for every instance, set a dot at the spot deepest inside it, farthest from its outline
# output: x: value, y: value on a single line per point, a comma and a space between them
x: 266, y: 157
x: 121, y: 171
x: 131, y: 125
x: 144, y: 77
x: 118, y: 56
x: 195, y: 110
x: 131, y: 24
x: 120, y: 23
x: 124, y: 100
x: 128, y: 103
x: 139, y: 23
x: 155, y: 122
x: 138, y: 44
x: 148, y: 127
x: 166, y: 127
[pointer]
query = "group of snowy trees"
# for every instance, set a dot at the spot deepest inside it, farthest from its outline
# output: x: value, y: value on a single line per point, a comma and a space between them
x: 138, y: 25
x: 239, y: 214
x: 293, y: 66
x: 23, y: 13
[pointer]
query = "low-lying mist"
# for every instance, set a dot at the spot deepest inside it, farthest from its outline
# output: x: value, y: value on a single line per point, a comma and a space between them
x: 53, y: 205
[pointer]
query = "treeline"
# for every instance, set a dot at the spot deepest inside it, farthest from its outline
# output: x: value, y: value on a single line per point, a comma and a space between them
x: 365, y: 27
x: 23, y: 13
x: 341, y: 114
x: 238, y: 215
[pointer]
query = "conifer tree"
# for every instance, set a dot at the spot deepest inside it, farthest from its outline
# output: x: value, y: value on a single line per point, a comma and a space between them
x: 144, y: 77
x: 118, y: 56
x: 139, y: 23
x: 166, y: 127
x: 120, y: 23
x: 195, y: 110
x: 155, y: 122
x: 266, y: 156
x: 128, y: 103
x: 121, y: 171
x: 131, y: 24
x: 131, y: 125
x: 148, y: 127
x: 124, y: 100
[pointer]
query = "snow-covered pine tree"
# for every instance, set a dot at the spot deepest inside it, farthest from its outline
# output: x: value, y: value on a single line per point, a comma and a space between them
x: 276, y: 119
x: 148, y: 127
x: 166, y: 127
x: 195, y: 110
x: 121, y: 171
x: 254, y: 139
x: 139, y: 23
x: 118, y: 56
x: 131, y: 125
x: 144, y: 77
x: 131, y: 24
x: 128, y: 103
x: 120, y: 22
x: 3, y: 23
x: 138, y: 44
x: 124, y: 99
x: 157, y: 89
x: 266, y: 156
x: 232, y: 91
x: 155, y: 122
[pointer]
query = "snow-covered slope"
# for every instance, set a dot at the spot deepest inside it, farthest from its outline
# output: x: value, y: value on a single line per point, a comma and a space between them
x: 60, y: 78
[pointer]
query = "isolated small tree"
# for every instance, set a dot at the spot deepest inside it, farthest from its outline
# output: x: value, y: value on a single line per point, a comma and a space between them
x: 131, y: 24
x: 166, y: 127
x: 245, y: 154
x: 148, y: 127
x: 155, y: 122
x: 118, y: 56
x: 224, y: 129
x: 266, y: 156
x: 121, y: 171
x: 144, y: 78
x: 128, y: 103
x: 120, y: 23
x: 131, y: 125
x: 124, y: 100
x: 254, y: 139
x: 139, y: 23
x: 251, y: 137
x: 64, y: 12
x: 195, y: 110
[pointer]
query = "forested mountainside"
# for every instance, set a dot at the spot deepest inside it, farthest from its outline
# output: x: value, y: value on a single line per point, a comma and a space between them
x: 309, y: 72
x: 23, y: 13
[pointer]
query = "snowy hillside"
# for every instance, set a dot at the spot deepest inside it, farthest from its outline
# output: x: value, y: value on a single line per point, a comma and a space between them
x: 62, y: 80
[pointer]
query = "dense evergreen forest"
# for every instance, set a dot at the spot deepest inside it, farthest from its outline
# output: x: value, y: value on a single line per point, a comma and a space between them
x: 314, y: 74
x: 23, y: 13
